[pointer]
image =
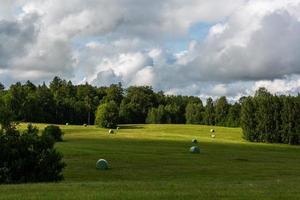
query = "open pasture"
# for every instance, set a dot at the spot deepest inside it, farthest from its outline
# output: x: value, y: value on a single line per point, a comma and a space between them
x: 154, y: 162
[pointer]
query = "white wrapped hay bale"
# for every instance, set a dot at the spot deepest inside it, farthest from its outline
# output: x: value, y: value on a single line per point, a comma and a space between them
x: 195, y: 141
x: 213, y: 135
x: 195, y: 149
x: 102, y: 164
x: 67, y: 124
x: 212, y: 130
x: 111, y: 131
x: 85, y: 125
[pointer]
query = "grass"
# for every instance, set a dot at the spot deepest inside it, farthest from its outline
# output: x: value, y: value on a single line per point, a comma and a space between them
x: 153, y: 162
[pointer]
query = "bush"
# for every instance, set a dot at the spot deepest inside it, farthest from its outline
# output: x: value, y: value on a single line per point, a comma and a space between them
x: 107, y: 115
x: 53, y: 131
x: 28, y: 157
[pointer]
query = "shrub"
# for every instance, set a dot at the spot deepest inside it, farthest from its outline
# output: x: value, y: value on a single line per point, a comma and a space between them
x: 28, y: 157
x: 53, y: 131
x: 107, y: 115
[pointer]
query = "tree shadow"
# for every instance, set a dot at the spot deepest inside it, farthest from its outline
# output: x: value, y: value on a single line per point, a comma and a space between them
x: 131, y: 126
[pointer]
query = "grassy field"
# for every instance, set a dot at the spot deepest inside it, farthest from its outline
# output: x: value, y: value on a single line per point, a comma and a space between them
x: 153, y: 162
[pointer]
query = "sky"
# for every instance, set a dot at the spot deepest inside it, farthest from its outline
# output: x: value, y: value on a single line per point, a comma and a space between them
x: 189, y: 47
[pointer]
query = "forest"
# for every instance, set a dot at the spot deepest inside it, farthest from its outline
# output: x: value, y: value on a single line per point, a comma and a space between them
x: 263, y: 117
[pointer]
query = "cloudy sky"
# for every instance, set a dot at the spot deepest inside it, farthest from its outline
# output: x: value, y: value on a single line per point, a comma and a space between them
x: 190, y: 47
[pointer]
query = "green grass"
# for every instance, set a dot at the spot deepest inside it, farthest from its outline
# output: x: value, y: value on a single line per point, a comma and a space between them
x: 153, y: 162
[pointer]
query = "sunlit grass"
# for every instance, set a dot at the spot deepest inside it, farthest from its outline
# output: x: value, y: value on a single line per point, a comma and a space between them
x: 153, y: 162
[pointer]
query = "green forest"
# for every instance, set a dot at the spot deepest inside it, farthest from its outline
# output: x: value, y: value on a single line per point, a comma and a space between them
x: 263, y: 117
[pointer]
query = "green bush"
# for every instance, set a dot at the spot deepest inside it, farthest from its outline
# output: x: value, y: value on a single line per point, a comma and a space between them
x: 107, y: 115
x: 53, y: 131
x: 28, y: 157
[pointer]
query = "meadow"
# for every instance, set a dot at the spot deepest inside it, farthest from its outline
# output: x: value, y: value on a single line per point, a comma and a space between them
x: 154, y: 162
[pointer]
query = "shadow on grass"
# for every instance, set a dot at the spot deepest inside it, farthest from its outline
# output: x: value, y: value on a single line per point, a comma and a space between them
x: 123, y: 126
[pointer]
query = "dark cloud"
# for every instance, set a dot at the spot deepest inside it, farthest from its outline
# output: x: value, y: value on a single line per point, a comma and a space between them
x: 15, y: 38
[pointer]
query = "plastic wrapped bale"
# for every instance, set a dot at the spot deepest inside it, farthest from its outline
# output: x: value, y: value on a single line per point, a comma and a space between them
x: 212, y: 130
x: 194, y: 141
x: 67, y: 124
x: 213, y: 135
x: 111, y: 131
x: 118, y: 128
x: 102, y: 164
x: 195, y: 149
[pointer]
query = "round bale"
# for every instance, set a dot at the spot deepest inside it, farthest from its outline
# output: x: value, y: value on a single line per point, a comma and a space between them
x: 213, y: 135
x: 67, y: 124
x: 212, y: 130
x: 85, y: 125
x: 195, y: 149
x: 102, y: 164
x: 194, y: 141
x: 111, y: 131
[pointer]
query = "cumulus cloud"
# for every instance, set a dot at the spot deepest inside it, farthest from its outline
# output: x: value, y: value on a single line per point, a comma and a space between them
x: 15, y: 38
x: 249, y: 44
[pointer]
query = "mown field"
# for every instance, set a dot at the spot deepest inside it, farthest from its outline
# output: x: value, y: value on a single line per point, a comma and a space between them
x: 153, y: 162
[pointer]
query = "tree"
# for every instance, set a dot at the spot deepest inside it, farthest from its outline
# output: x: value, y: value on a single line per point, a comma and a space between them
x: 221, y: 111
x: 2, y: 88
x: 209, y: 114
x: 136, y: 103
x: 172, y: 113
x: 156, y: 115
x: 28, y: 157
x: 107, y: 115
x: 6, y: 116
x: 114, y: 93
x: 234, y: 115
x: 193, y: 113
x: 290, y: 133
x: 248, y: 121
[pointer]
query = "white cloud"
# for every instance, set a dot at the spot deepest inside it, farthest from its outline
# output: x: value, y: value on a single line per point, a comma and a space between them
x: 250, y: 43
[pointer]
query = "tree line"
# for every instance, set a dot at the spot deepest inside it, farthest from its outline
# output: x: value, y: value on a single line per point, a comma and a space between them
x: 63, y: 102
x: 270, y: 118
x: 263, y: 117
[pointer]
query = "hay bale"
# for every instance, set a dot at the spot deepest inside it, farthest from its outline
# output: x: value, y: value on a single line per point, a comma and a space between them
x: 194, y: 141
x: 111, y: 131
x: 195, y: 149
x: 102, y: 164
x: 213, y: 135
x: 118, y: 128
x: 85, y: 125
x: 67, y: 124
x: 212, y: 130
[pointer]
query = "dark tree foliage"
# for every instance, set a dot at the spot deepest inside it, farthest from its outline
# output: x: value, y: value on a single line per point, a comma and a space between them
x: 136, y: 103
x: 269, y: 118
x: 156, y: 115
x: 1, y: 87
x: 264, y: 117
x: 62, y: 102
x: 28, y: 157
x: 221, y: 111
x: 209, y: 114
x: 234, y: 114
x: 54, y: 132
x: 194, y: 113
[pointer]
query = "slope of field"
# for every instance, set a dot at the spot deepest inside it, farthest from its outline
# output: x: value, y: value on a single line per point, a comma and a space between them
x: 153, y: 162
